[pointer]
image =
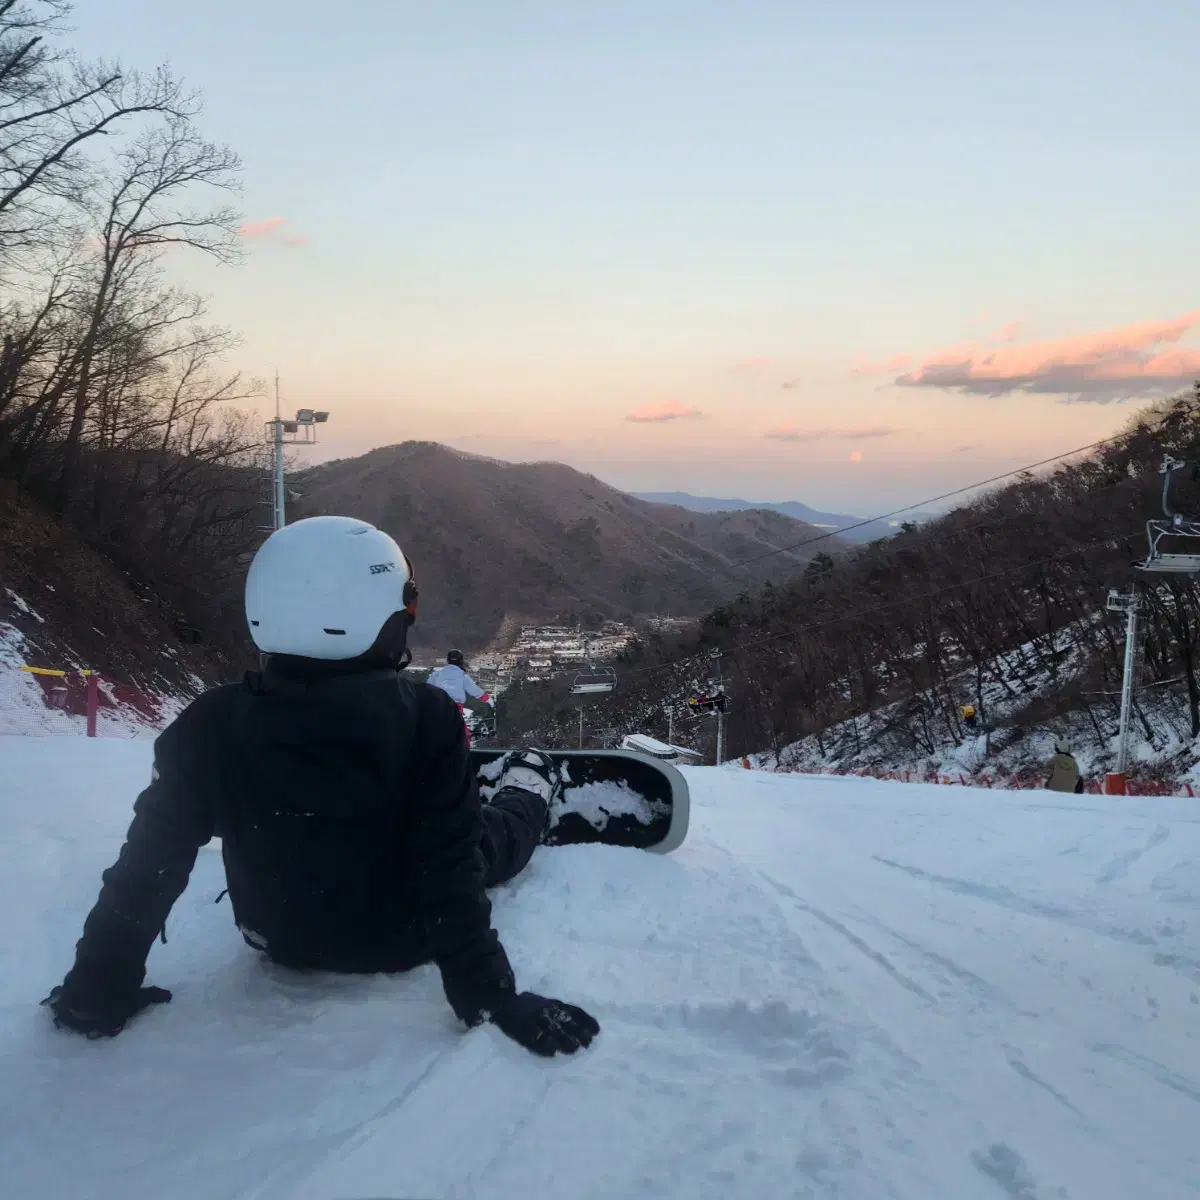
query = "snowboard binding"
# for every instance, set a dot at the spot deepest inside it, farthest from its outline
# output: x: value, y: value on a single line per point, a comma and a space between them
x: 531, y: 770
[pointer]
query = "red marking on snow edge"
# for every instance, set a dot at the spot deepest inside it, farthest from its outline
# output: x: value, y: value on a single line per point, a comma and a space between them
x: 85, y: 694
x: 1025, y: 781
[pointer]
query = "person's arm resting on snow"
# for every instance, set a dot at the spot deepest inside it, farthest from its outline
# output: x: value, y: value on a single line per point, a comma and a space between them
x: 171, y: 822
x: 445, y: 853
x: 476, y: 974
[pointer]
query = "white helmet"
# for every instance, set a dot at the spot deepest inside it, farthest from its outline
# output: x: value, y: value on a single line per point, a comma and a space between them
x: 324, y: 587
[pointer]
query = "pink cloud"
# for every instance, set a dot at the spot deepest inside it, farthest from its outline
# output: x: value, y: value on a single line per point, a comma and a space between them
x: 753, y: 364
x: 789, y: 433
x: 1007, y: 333
x: 267, y: 229
x: 670, y: 411
x: 859, y: 432
x: 260, y: 229
x: 1101, y: 366
x: 983, y: 318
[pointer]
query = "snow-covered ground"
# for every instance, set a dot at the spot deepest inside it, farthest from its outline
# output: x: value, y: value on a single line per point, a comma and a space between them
x: 836, y: 988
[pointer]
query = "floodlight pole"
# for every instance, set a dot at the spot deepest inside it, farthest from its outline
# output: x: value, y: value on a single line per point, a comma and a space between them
x: 306, y: 423
x: 277, y: 464
x: 670, y: 725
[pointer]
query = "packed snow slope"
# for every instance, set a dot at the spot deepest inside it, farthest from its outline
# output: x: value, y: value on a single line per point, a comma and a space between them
x: 836, y: 988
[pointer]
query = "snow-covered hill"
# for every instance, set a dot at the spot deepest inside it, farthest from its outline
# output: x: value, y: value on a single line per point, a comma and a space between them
x: 836, y: 988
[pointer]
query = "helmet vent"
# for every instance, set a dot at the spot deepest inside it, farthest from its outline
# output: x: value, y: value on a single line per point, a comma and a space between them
x: 254, y: 623
x: 337, y: 632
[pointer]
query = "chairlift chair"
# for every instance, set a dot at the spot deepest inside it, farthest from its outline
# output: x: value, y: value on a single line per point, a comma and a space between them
x: 594, y: 681
x: 1175, y: 525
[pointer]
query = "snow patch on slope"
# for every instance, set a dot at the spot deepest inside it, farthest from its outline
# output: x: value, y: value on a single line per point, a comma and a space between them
x: 23, y: 707
x: 916, y: 734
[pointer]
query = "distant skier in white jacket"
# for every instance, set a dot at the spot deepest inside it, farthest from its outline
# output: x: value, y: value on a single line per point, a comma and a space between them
x: 457, y: 684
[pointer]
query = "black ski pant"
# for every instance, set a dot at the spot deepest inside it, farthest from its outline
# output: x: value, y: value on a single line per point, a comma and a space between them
x: 513, y: 824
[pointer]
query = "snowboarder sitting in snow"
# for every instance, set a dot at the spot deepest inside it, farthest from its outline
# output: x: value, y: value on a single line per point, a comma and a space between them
x: 351, y: 827
x: 1064, y: 770
x: 457, y: 684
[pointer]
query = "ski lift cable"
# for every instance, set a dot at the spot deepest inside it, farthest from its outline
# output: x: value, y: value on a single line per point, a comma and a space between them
x: 1115, y: 438
x: 991, y: 522
x: 1141, y: 687
x: 944, y: 496
x: 736, y: 647
x: 948, y: 533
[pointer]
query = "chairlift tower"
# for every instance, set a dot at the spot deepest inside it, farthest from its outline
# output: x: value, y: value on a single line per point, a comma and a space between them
x: 1129, y: 603
x: 301, y: 431
x: 716, y: 657
x: 1173, y: 525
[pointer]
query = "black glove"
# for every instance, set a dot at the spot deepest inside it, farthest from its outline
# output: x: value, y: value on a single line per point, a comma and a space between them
x: 546, y: 1027
x: 103, y: 1019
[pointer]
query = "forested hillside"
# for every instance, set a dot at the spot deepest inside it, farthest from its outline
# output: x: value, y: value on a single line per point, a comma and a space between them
x: 119, y: 419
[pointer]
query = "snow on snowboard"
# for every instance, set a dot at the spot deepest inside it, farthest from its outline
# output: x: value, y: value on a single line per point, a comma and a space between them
x: 616, y: 797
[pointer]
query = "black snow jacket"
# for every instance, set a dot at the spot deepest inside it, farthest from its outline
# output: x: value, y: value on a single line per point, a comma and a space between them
x: 349, y: 821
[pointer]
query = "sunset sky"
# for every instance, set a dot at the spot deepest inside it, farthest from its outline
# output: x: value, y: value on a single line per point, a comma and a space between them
x: 848, y: 254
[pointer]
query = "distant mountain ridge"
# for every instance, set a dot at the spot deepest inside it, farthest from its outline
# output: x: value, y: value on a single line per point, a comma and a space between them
x: 493, y: 542
x: 826, y: 522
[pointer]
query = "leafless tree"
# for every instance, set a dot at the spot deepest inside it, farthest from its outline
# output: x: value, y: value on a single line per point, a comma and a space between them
x: 54, y: 107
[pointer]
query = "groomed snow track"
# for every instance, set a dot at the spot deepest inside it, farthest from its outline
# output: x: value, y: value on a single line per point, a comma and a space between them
x: 835, y: 988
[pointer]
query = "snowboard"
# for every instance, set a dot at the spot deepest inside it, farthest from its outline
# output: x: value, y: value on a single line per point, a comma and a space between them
x: 614, y: 797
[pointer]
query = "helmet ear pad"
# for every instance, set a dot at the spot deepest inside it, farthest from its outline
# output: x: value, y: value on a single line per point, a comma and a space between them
x: 390, y: 648
x: 410, y: 592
